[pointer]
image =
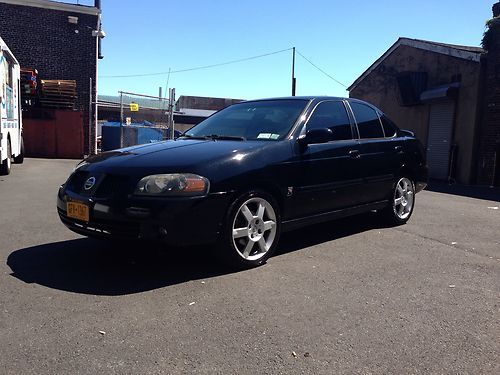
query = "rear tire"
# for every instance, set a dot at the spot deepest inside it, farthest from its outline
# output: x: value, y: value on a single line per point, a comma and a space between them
x: 6, y: 165
x: 251, y: 230
x: 19, y: 159
x: 402, y: 202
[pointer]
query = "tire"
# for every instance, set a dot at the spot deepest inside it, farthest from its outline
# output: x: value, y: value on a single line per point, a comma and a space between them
x: 19, y: 159
x: 251, y: 231
x: 6, y: 165
x: 401, y: 203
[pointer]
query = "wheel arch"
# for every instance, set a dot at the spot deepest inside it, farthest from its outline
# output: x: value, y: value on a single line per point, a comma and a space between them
x: 407, y: 171
x: 268, y: 187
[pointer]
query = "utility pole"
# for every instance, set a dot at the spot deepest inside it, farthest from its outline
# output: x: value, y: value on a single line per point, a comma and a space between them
x: 121, y: 119
x: 294, y: 81
x: 171, y: 102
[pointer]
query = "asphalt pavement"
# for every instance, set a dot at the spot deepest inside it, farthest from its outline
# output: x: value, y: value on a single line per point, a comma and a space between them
x: 349, y: 296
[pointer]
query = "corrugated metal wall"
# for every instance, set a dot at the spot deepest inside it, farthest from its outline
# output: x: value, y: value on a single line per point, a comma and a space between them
x: 439, y: 141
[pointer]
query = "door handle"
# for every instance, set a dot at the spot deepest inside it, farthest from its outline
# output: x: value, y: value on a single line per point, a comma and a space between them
x: 354, y: 154
x: 398, y: 148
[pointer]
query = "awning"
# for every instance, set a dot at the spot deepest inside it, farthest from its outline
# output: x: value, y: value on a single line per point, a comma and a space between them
x: 441, y: 92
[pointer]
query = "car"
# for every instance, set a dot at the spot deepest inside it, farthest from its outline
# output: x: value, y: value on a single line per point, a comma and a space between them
x: 248, y: 173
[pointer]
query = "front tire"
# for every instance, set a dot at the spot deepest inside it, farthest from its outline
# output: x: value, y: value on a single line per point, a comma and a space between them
x: 5, y: 167
x: 251, y: 231
x: 402, y: 202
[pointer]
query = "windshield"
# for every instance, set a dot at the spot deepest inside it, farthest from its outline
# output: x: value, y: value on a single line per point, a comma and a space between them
x: 260, y: 120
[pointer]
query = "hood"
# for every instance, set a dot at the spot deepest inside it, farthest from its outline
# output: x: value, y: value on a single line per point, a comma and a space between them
x: 184, y: 155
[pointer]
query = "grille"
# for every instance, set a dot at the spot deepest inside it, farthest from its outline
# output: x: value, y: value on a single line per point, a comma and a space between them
x: 76, y: 182
x: 113, y: 186
x: 107, y: 186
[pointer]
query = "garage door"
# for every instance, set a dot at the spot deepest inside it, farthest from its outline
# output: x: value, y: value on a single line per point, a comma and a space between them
x: 439, y: 139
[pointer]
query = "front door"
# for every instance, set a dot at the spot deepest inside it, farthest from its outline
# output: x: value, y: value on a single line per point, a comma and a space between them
x: 329, y: 172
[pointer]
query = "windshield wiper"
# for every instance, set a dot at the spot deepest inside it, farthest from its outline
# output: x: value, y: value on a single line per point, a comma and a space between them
x: 226, y: 137
x: 194, y: 136
x: 215, y: 137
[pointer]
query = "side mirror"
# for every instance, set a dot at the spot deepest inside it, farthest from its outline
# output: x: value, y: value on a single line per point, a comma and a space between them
x: 321, y: 135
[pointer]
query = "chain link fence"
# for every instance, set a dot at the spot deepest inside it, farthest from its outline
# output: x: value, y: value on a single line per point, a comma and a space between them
x: 134, y: 119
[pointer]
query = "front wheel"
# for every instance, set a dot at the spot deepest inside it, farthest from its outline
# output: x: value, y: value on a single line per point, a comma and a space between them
x: 402, y: 202
x: 252, y: 230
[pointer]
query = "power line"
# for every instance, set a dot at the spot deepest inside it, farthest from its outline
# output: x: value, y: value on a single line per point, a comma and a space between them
x: 321, y: 70
x: 196, y: 68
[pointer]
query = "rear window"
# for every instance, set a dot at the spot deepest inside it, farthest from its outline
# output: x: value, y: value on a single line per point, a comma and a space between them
x: 368, y: 122
x: 390, y: 129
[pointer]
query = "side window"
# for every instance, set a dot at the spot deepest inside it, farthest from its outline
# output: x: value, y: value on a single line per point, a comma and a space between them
x: 390, y: 129
x: 331, y: 115
x: 8, y: 79
x: 368, y: 122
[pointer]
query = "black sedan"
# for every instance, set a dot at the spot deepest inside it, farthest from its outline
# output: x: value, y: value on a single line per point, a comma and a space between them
x: 246, y: 174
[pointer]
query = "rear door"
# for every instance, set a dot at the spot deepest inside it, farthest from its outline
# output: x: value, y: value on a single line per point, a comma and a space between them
x: 381, y: 154
x: 328, y: 171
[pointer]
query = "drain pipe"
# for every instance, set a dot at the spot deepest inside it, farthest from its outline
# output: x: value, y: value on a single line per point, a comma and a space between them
x: 99, y: 34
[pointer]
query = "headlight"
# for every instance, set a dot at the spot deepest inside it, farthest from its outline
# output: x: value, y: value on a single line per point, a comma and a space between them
x: 177, y: 184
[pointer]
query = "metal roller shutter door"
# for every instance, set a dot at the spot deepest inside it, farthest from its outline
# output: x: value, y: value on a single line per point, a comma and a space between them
x: 439, y: 139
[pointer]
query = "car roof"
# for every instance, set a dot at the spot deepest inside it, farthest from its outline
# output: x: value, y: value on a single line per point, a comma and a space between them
x: 299, y: 98
x: 313, y: 99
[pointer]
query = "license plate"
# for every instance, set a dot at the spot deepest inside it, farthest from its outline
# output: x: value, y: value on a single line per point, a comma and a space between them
x: 78, y: 210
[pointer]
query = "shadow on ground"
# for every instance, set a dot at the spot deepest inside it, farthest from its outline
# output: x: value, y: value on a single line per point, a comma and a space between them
x: 478, y: 192
x: 97, y: 267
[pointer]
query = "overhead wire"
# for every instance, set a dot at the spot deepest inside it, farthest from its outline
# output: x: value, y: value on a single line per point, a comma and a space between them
x: 169, y: 72
x: 196, y: 68
x: 321, y: 70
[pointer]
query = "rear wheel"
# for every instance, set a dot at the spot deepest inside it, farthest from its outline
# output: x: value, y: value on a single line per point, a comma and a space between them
x: 252, y: 230
x: 7, y: 163
x: 402, y: 202
x: 19, y: 159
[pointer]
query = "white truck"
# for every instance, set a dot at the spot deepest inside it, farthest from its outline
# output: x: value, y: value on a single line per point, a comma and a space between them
x: 11, y: 127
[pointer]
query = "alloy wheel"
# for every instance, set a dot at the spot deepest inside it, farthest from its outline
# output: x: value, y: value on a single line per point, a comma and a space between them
x: 254, y: 228
x: 404, y: 197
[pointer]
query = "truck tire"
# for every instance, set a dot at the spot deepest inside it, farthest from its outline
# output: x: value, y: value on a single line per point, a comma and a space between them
x: 19, y: 159
x: 6, y: 164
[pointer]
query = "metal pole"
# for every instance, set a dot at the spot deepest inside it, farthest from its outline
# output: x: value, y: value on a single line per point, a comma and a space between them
x: 121, y: 119
x: 172, y: 113
x: 168, y: 79
x: 90, y: 117
x: 171, y: 100
x: 96, y: 83
x: 293, y: 73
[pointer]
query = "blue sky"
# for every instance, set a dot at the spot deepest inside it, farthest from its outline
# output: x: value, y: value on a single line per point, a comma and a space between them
x: 341, y: 37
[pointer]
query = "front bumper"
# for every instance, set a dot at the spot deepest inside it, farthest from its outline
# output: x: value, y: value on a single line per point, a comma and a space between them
x: 175, y: 221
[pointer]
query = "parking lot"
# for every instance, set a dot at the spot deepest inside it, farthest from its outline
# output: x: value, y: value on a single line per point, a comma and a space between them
x: 350, y: 296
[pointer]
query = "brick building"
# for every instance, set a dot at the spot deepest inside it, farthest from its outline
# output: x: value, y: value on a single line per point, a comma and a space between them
x: 60, y: 40
x: 489, y: 145
x: 449, y: 95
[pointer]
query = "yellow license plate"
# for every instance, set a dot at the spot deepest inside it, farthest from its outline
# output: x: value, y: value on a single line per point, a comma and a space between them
x: 78, y: 210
